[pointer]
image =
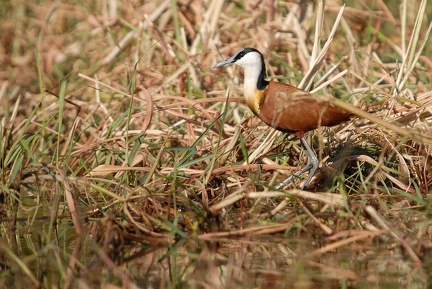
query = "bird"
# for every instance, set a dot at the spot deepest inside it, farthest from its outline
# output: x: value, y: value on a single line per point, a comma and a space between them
x: 285, y: 107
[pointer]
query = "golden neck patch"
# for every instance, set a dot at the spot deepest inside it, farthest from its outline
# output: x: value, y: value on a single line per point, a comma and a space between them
x: 254, y: 99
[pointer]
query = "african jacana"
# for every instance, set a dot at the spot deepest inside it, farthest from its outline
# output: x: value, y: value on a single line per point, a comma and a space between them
x: 285, y: 107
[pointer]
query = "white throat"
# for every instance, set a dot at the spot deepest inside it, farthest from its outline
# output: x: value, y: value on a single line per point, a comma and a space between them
x: 251, y: 74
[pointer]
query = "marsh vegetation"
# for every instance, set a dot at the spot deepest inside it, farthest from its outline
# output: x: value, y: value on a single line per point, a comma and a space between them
x: 127, y: 161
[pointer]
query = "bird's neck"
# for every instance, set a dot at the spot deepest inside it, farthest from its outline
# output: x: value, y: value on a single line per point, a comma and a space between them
x: 254, y: 86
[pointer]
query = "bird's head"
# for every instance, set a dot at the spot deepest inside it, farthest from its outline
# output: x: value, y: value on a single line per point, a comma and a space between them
x: 246, y: 58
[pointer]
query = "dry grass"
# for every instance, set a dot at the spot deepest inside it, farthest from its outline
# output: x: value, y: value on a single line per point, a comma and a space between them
x: 120, y: 144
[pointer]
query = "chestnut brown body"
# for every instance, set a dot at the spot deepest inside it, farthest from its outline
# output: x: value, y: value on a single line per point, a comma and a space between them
x: 289, y: 109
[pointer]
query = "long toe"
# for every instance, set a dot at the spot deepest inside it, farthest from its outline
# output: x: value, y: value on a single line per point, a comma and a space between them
x: 309, y: 165
x: 313, y: 162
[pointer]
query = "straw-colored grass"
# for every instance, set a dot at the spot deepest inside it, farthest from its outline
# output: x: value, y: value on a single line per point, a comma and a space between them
x: 121, y: 145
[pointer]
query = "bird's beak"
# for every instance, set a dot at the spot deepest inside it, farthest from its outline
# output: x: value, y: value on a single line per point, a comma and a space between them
x: 225, y: 62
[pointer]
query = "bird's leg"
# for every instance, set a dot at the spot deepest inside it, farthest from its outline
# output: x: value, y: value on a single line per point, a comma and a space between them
x: 312, y: 164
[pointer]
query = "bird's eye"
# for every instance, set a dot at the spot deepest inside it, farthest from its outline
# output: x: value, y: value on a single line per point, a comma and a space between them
x: 240, y: 55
